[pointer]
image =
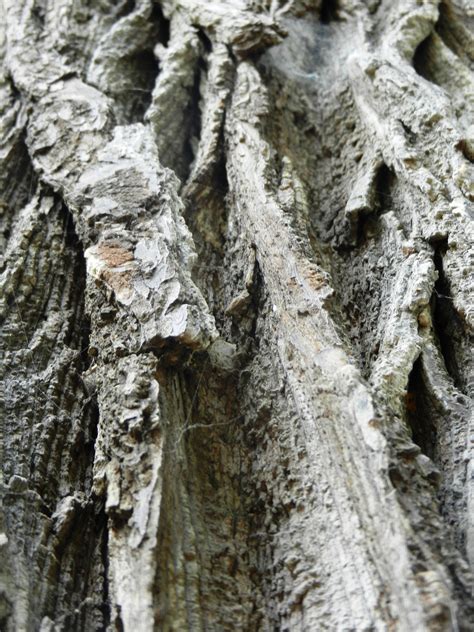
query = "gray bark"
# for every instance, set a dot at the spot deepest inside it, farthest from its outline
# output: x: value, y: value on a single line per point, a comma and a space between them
x: 237, y: 315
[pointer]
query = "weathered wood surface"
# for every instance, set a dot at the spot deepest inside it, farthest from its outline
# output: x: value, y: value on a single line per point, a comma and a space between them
x: 237, y: 315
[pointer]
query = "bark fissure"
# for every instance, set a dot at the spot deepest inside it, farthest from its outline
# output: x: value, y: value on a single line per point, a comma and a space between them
x: 49, y: 376
x: 447, y: 324
x: 420, y: 419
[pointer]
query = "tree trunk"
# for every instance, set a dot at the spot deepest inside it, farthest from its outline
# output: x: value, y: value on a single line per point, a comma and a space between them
x: 237, y: 314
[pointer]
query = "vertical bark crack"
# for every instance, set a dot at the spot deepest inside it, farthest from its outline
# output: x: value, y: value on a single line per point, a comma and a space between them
x: 420, y: 413
x: 328, y: 11
x: 447, y: 324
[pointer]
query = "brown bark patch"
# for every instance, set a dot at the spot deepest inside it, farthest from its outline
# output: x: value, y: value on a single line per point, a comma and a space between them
x: 114, y: 255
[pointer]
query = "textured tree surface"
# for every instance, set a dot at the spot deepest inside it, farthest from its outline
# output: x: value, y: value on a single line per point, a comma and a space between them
x: 237, y: 315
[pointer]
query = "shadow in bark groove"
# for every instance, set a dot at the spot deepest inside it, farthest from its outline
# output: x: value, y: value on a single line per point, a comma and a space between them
x: 361, y: 287
x: 328, y: 11
x: 421, y: 59
x: 447, y: 324
x: 419, y: 412
x: 49, y: 411
x: 143, y: 66
x: 367, y: 220
x: 164, y: 24
x: 203, y: 521
x: 193, y: 118
x: 126, y: 70
x: 127, y: 7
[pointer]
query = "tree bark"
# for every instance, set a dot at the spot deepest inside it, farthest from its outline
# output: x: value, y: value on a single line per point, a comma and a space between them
x: 237, y: 314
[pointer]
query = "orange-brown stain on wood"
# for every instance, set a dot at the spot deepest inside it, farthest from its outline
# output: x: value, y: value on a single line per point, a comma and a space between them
x: 315, y: 279
x: 114, y: 256
x: 119, y: 281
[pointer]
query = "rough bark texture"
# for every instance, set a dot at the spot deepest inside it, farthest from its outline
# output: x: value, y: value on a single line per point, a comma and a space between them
x: 237, y: 315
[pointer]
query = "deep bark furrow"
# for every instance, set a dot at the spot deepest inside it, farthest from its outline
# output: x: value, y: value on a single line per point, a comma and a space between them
x: 47, y: 412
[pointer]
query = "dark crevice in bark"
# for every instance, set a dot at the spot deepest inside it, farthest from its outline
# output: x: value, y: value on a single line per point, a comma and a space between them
x: 434, y: 63
x: 466, y: 149
x: 410, y: 136
x: 205, y: 41
x: 23, y: 180
x: 439, y: 433
x: 134, y: 73
x: 430, y: 63
x: 421, y: 59
x: 142, y: 68
x: 193, y: 118
x: 125, y: 8
x: 181, y: 150
x: 163, y: 24
x: 205, y: 497
x: 328, y: 11
x: 447, y: 325
x: 203, y: 503
x: 419, y: 412
x: 367, y: 222
x: 18, y: 183
x: 38, y: 15
x: 102, y: 530
x: 384, y: 183
x: 169, y: 352
x: 255, y: 307
x: 6, y: 611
